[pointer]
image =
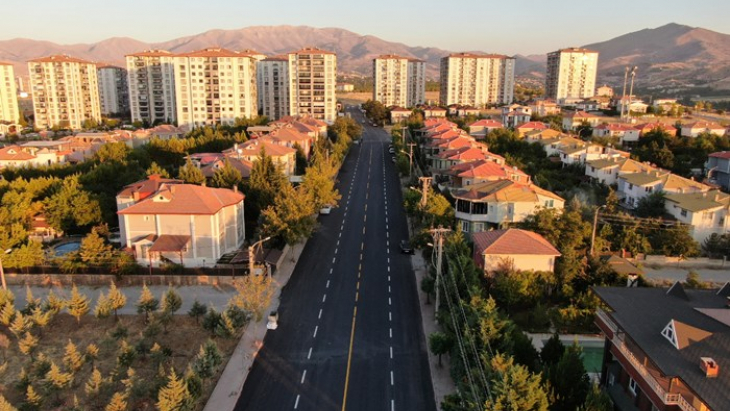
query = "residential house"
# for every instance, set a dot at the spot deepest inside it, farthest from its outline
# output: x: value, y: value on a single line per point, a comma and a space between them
x: 513, y: 249
x: 481, y: 128
x: 626, y: 134
x: 545, y: 108
x: 433, y: 112
x: 717, y: 168
x: 553, y: 146
x: 536, y: 136
x: 665, y: 349
x: 441, y: 163
x: 707, y: 212
x: 243, y: 166
x: 635, y: 186
x: 582, y: 152
x: 647, y: 127
x: 492, y: 204
x: 465, y: 174
x: 604, y: 91
x: 531, y: 126
x: 516, y: 117
x: 291, y: 137
x: 699, y: 127
x: 282, y: 156
x: 574, y: 119
x: 607, y: 170
x: 398, y: 114
x: 180, y: 223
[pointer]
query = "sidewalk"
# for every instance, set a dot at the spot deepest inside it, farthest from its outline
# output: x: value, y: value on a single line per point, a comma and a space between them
x: 229, y: 386
x: 440, y: 376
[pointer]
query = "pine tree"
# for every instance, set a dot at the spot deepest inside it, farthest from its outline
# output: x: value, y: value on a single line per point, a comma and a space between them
x: 103, y: 307
x: 20, y: 325
x: 4, y: 345
x: 28, y: 344
x: 53, y: 303
x: 56, y: 380
x: 515, y: 388
x: 147, y: 303
x: 41, y: 318
x: 92, y: 353
x: 30, y: 301
x: 78, y: 304
x: 194, y: 383
x: 174, y: 396
x: 6, y: 297
x: 95, y: 384
x: 197, y: 310
x: 225, y: 327
x: 32, y: 399
x: 226, y: 176
x: 171, y: 301
x: 568, y: 380
x: 117, y: 299
x: 191, y: 174
x: 5, y: 405
x: 117, y: 403
x: 126, y: 354
x: 73, y: 360
x: 7, y: 314
x: 154, y: 168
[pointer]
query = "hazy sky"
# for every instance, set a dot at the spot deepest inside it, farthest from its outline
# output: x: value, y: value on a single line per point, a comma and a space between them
x: 508, y: 27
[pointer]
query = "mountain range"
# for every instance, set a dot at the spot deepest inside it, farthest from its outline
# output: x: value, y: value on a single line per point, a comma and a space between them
x: 667, y: 56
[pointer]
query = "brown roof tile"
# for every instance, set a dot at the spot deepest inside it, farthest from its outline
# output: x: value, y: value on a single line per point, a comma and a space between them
x: 513, y: 241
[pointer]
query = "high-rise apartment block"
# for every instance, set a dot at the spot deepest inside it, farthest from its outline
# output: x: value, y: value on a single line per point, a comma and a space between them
x: 215, y: 86
x: 477, y: 79
x: 65, y: 91
x: 113, y: 89
x: 399, y: 81
x: 151, y: 86
x: 273, y: 86
x: 8, y: 94
x: 312, y: 80
x: 571, y: 74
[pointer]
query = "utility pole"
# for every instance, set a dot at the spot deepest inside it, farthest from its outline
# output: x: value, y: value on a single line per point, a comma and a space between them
x: 623, y: 95
x: 595, y: 225
x: 438, y: 241
x: 252, y: 254
x: 425, y: 183
x: 403, y: 133
x: 410, y: 159
x: 631, y: 91
x: 2, y: 272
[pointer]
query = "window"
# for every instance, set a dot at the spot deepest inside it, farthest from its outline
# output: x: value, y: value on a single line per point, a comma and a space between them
x: 633, y: 386
x: 465, y: 226
x: 683, y: 213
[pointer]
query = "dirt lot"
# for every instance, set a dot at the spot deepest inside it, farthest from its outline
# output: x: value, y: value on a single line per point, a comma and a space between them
x: 184, y: 339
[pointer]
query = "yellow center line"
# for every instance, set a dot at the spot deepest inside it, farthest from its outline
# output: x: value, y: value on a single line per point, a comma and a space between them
x: 349, y: 359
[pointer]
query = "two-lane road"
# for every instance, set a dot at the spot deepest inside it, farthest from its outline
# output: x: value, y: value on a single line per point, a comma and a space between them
x: 350, y: 334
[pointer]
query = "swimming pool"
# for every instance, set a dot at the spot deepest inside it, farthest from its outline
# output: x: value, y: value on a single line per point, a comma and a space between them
x: 65, y: 248
x: 592, y: 357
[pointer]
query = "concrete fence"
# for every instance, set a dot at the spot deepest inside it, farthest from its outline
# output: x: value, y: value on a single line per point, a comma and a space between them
x: 664, y: 261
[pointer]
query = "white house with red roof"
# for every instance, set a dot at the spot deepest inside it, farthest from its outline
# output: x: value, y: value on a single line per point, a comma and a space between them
x: 517, y: 117
x: 281, y: 155
x: 483, y: 127
x: 398, y: 114
x: 513, y: 249
x: 163, y: 220
x: 433, y: 112
x: 573, y: 119
x: 626, y: 134
x: 465, y: 174
x: 699, y: 127
x: 647, y: 127
x: 531, y: 126
x: 33, y: 154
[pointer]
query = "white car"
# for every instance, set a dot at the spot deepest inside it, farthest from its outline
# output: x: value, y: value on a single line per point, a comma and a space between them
x: 273, y: 322
x: 326, y: 209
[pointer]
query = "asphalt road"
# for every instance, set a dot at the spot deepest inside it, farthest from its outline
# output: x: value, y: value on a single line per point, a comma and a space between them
x: 349, y: 335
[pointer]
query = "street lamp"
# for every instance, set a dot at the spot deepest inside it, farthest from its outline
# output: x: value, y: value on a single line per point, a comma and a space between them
x: 251, y: 253
x: 595, y: 224
x: 410, y: 160
x: 2, y: 273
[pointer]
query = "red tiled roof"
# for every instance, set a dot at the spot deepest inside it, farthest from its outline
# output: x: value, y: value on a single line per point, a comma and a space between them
x: 487, y: 169
x: 147, y: 187
x: 651, y: 126
x: 513, y: 242
x: 183, y: 199
x: 486, y: 123
x: 462, y: 153
x: 721, y: 154
x: 614, y: 127
x: 60, y: 58
x: 253, y: 147
x: 151, y: 53
x: 580, y: 114
x: 704, y: 124
x: 532, y: 125
x: 169, y: 243
x: 14, y: 153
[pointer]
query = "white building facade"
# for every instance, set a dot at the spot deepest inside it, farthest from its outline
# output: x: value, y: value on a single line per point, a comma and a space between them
x: 65, y: 91
x: 312, y: 81
x: 8, y: 94
x: 477, y: 80
x: 571, y: 73
x: 151, y: 82
x: 273, y: 86
x: 399, y: 81
x: 113, y: 90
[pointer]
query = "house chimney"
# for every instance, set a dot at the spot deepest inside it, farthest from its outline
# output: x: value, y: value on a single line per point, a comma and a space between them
x: 135, y: 196
x: 709, y: 367
x: 235, y: 188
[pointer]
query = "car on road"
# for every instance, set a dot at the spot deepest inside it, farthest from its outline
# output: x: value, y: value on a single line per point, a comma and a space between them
x: 273, y: 322
x: 326, y: 209
x: 406, y: 247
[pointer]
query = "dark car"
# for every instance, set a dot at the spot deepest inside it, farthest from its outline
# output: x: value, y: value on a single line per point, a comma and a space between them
x: 405, y: 247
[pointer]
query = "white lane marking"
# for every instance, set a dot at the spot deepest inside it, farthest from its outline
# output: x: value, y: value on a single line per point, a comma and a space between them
x: 324, y: 297
x: 389, y: 289
x: 392, y: 380
x: 296, y: 403
x: 338, y: 243
x: 319, y: 317
x: 388, y: 260
x: 387, y: 250
x: 345, y: 215
x: 310, y: 353
x: 390, y: 316
x: 386, y: 227
x: 387, y: 234
x: 333, y: 260
x: 340, y: 235
x: 315, y: 332
x: 304, y: 375
x: 331, y: 270
x: 336, y: 249
x: 392, y: 405
x: 386, y: 220
x: 387, y: 243
x: 390, y: 302
x: 391, y: 352
x: 391, y: 333
x: 388, y: 271
x: 328, y: 284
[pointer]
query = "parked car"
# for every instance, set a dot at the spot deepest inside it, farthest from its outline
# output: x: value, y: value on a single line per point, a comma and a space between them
x: 273, y: 322
x: 406, y: 248
x: 326, y: 209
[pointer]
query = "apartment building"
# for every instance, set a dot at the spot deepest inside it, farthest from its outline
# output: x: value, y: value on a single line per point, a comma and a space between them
x: 273, y: 86
x: 312, y: 80
x: 399, y: 81
x: 571, y: 74
x: 113, y: 89
x: 9, y: 111
x: 665, y: 348
x: 65, y: 91
x: 214, y: 86
x: 477, y: 79
x: 151, y: 82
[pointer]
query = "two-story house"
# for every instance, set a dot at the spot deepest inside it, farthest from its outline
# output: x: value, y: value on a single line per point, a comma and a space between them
x: 607, y: 170
x: 717, y: 168
x: 163, y: 220
x: 463, y: 175
x: 707, y: 212
x: 492, y: 204
x: 574, y: 119
x: 699, y: 127
x: 665, y: 349
x: 627, y: 135
x: 647, y: 127
x: 635, y: 186
x: 481, y: 128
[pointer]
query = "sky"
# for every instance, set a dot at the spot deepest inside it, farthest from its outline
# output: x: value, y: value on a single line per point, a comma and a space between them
x: 526, y: 27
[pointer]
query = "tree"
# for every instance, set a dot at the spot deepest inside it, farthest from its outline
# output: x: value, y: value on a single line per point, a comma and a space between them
x: 515, y: 388
x: 255, y: 293
x: 194, y: 383
x: 207, y: 360
x: 78, y: 304
x: 71, y: 208
x: 584, y: 130
x: 94, y: 384
x: 28, y: 344
x: 319, y: 182
x: 154, y: 168
x: 597, y: 400
x: 226, y: 176
x: 440, y: 344
x: 552, y: 351
x: 675, y: 241
x: 53, y: 304
x: 33, y: 400
x: 91, y: 353
x: 568, y: 380
x: 171, y: 301
x: 56, y: 380
x: 5, y: 405
x: 118, y: 402
x: 191, y: 174
x: 103, y: 307
x: 20, y: 325
x: 4, y: 345
x: 27, y: 255
x: 197, y: 310
x: 147, y: 303
x: 291, y: 215
x: 72, y: 359
x: 117, y: 299
x: 175, y: 395
x: 113, y: 152
x: 126, y: 354
x: 94, y: 250
x: 651, y: 206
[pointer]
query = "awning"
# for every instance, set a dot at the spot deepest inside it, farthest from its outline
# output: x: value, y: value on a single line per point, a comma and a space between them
x: 170, y: 243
